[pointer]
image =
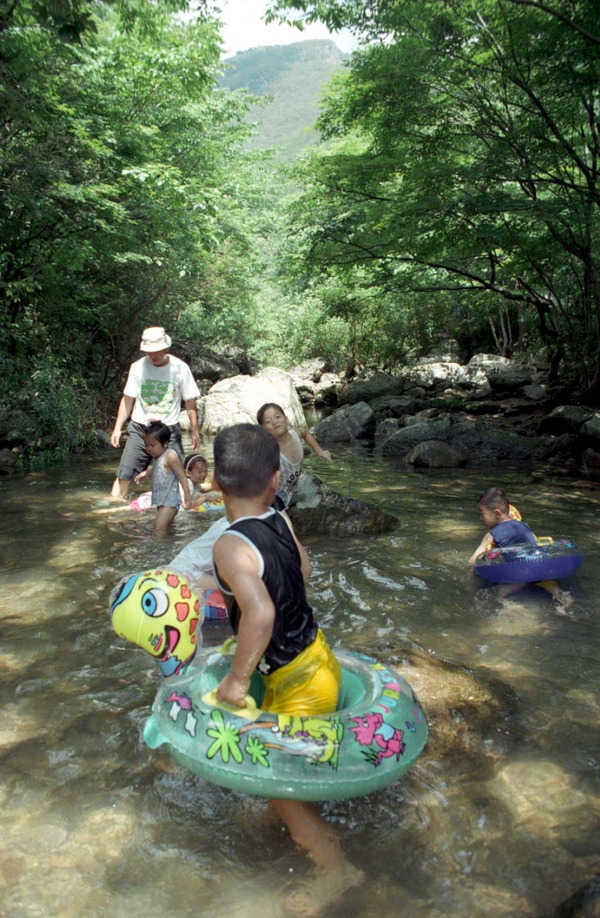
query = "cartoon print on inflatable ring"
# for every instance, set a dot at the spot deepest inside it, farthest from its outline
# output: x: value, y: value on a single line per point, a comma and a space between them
x: 158, y: 611
x: 317, y: 737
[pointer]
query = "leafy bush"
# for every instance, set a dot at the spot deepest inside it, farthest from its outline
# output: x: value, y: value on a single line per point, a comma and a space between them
x: 47, y: 411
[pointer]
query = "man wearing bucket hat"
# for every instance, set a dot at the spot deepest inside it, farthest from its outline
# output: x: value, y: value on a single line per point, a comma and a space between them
x: 155, y: 387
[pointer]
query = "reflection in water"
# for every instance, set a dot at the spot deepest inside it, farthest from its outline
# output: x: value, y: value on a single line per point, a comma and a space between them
x: 500, y: 815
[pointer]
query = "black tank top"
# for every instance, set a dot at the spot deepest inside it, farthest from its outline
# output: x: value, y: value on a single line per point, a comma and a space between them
x: 295, y: 627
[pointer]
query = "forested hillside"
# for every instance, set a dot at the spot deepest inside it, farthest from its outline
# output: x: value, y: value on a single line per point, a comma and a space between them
x: 292, y: 78
x: 456, y: 191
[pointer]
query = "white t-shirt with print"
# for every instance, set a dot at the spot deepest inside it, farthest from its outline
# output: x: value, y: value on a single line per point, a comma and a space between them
x: 159, y: 391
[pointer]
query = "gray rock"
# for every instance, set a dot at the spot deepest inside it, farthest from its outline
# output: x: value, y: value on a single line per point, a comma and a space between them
x: 473, y: 438
x: 482, y: 407
x: 316, y: 509
x: 353, y: 422
x: 583, y: 903
x: 395, y: 406
x: 484, y: 441
x: 535, y: 392
x: 591, y: 428
x: 428, y: 373
x: 309, y: 371
x: 316, y: 384
x: 8, y: 460
x: 102, y: 438
x: 401, y: 443
x: 387, y: 427
x: 435, y: 454
x: 566, y: 419
x: 237, y: 399
x: 590, y: 460
x: 370, y: 386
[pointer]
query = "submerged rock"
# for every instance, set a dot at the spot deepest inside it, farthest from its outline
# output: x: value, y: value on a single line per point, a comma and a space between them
x: 435, y: 454
x: 585, y: 903
x: 316, y: 509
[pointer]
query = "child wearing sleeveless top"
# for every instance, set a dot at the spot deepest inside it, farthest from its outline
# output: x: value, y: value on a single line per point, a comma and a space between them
x: 272, y: 417
x: 261, y: 568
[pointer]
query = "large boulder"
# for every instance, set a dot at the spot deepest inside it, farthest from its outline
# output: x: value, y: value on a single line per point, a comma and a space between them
x: 8, y: 461
x: 353, y: 422
x: 370, y: 385
x: 396, y: 406
x: 591, y: 428
x: 237, y: 399
x: 475, y: 439
x: 418, y: 431
x: 316, y: 509
x: 505, y: 377
x: 566, y: 419
x: 429, y: 373
x: 435, y: 454
x: 480, y: 440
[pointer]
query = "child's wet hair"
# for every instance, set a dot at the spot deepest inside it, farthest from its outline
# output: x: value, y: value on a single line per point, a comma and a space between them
x: 246, y: 456
x: 494, y: 499
x: 193, y: 460
x: 264, y: 408
x: 158, y: 431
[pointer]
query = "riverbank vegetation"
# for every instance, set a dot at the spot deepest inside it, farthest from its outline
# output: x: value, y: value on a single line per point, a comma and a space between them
x: 455, y: 193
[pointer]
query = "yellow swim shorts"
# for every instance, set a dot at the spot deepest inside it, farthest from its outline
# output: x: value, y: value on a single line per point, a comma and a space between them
x: 310, y: 684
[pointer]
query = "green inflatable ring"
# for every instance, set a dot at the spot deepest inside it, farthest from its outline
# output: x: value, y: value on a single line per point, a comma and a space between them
x: 375, y: 735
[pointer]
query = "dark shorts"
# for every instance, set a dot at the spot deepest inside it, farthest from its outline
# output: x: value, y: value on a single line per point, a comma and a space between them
x: 134, y: 458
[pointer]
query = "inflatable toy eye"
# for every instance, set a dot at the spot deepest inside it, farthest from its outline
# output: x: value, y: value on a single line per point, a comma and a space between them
x: 159, y: 611
x: 155, y: 603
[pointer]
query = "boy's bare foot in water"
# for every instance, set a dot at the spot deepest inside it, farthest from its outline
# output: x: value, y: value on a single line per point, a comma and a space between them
x: 333, y: 875
x: 328, y: 886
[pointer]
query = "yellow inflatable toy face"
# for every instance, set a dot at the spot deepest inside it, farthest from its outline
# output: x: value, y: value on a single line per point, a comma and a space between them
x: 158, y: 611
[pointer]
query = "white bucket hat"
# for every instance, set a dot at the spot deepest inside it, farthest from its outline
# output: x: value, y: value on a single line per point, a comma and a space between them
x: 154, y: 339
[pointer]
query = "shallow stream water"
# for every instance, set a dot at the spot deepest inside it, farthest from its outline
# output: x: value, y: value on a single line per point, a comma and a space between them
x: 499, y: 817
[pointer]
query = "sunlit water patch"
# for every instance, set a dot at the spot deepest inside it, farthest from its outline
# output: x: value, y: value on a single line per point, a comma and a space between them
x: 500, y: 815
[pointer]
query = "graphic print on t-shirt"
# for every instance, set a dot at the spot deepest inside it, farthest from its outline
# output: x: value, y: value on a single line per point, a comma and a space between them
x: 157, y: 396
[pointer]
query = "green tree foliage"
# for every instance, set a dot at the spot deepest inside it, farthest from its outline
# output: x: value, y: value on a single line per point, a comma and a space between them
x: 467, y: 162
x: 122, y: 186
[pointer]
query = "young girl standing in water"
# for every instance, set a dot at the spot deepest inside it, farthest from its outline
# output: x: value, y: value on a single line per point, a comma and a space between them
x: 291, y: 451
x: 167, y: 475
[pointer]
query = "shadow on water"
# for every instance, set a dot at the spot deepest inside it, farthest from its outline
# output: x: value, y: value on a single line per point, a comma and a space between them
x: 500, y: 815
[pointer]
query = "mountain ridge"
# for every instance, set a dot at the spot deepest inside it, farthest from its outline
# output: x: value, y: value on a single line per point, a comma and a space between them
x: 292, y: 78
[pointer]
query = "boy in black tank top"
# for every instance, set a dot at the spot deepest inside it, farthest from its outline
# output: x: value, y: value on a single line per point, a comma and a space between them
x: 261, y: 569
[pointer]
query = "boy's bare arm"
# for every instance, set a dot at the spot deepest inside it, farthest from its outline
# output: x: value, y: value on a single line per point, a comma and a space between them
x: 485, y: 544
x: 238, y: 567
x: 312, y: 443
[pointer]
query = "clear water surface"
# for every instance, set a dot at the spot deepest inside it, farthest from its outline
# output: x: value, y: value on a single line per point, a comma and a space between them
x: 500, y: 815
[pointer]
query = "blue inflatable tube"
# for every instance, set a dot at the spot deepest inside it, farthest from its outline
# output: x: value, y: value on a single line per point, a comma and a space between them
x: 550, y: 559
x: 377, y: 733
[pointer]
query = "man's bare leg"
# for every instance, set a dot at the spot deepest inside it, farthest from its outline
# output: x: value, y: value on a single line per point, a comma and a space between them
x: 119, y: 489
